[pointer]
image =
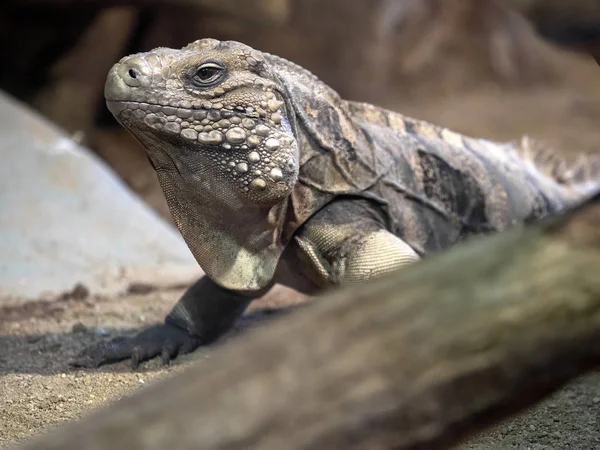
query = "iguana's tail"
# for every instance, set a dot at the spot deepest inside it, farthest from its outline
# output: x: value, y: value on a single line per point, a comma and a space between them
x: 582, y: 175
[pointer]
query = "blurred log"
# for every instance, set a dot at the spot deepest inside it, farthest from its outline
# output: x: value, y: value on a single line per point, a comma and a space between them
x: 572, y: 23
x: 415, y: 360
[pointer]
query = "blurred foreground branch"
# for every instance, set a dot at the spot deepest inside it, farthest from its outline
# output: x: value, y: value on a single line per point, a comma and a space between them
x: 415, y: 360
x: 573, y: 23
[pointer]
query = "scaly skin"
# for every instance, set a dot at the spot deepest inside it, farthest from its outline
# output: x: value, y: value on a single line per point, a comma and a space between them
x: 272, y: 177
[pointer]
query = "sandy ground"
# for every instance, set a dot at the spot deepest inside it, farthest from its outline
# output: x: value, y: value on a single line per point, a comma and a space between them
x: 37, y: 338
x: 38, y: 390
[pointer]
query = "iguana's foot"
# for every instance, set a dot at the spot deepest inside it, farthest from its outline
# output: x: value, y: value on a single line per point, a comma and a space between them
x: 165, y: 340
x: 203, y: 314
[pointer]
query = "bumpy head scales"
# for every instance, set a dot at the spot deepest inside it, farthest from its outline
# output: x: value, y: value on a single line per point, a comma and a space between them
x: 211, y: 105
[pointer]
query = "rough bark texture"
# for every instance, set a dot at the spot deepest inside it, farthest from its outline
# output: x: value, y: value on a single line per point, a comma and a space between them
x: 411, y: 361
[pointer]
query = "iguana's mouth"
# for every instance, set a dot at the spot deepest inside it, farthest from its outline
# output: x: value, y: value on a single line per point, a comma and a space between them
x: 241, y: 127
x: 118, y: 106
x: 209, y: 126
x: 258, y: 159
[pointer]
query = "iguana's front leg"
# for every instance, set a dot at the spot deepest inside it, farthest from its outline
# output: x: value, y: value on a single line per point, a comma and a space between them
x: 348, y: 243
x: 365, y: 256
x: 204, y: 312
x: 374, y: 254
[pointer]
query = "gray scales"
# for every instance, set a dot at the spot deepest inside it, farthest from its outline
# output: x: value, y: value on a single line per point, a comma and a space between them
x: 271, y: 177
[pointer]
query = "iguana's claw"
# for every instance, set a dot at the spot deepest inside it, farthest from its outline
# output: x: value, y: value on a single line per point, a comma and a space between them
x: 165, y: 340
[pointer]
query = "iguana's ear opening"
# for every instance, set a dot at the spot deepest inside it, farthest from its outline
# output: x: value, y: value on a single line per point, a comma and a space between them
x: 338, y: 155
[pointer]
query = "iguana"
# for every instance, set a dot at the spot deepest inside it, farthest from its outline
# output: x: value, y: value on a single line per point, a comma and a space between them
x: 271, y: 177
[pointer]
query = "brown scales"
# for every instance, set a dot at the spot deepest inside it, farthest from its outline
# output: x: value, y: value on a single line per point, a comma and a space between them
x: 585, y: 168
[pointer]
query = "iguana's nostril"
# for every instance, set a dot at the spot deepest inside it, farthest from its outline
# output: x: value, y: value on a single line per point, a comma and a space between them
x: 131, y: 75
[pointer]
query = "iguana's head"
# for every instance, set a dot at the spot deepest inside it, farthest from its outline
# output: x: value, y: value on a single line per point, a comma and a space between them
x: 212, y: 111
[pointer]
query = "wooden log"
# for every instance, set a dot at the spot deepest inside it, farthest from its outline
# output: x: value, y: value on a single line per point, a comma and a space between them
x: 414, y: 360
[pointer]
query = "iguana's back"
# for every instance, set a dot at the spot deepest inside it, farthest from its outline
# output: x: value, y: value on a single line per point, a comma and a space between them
x: 437, y: 185
x: 441, y: 186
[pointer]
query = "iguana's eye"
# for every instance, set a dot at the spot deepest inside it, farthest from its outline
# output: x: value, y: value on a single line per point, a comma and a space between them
x: 208, y: 73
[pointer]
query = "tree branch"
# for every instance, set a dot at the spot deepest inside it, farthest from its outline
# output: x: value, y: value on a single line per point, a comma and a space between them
x: 411, y: 361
